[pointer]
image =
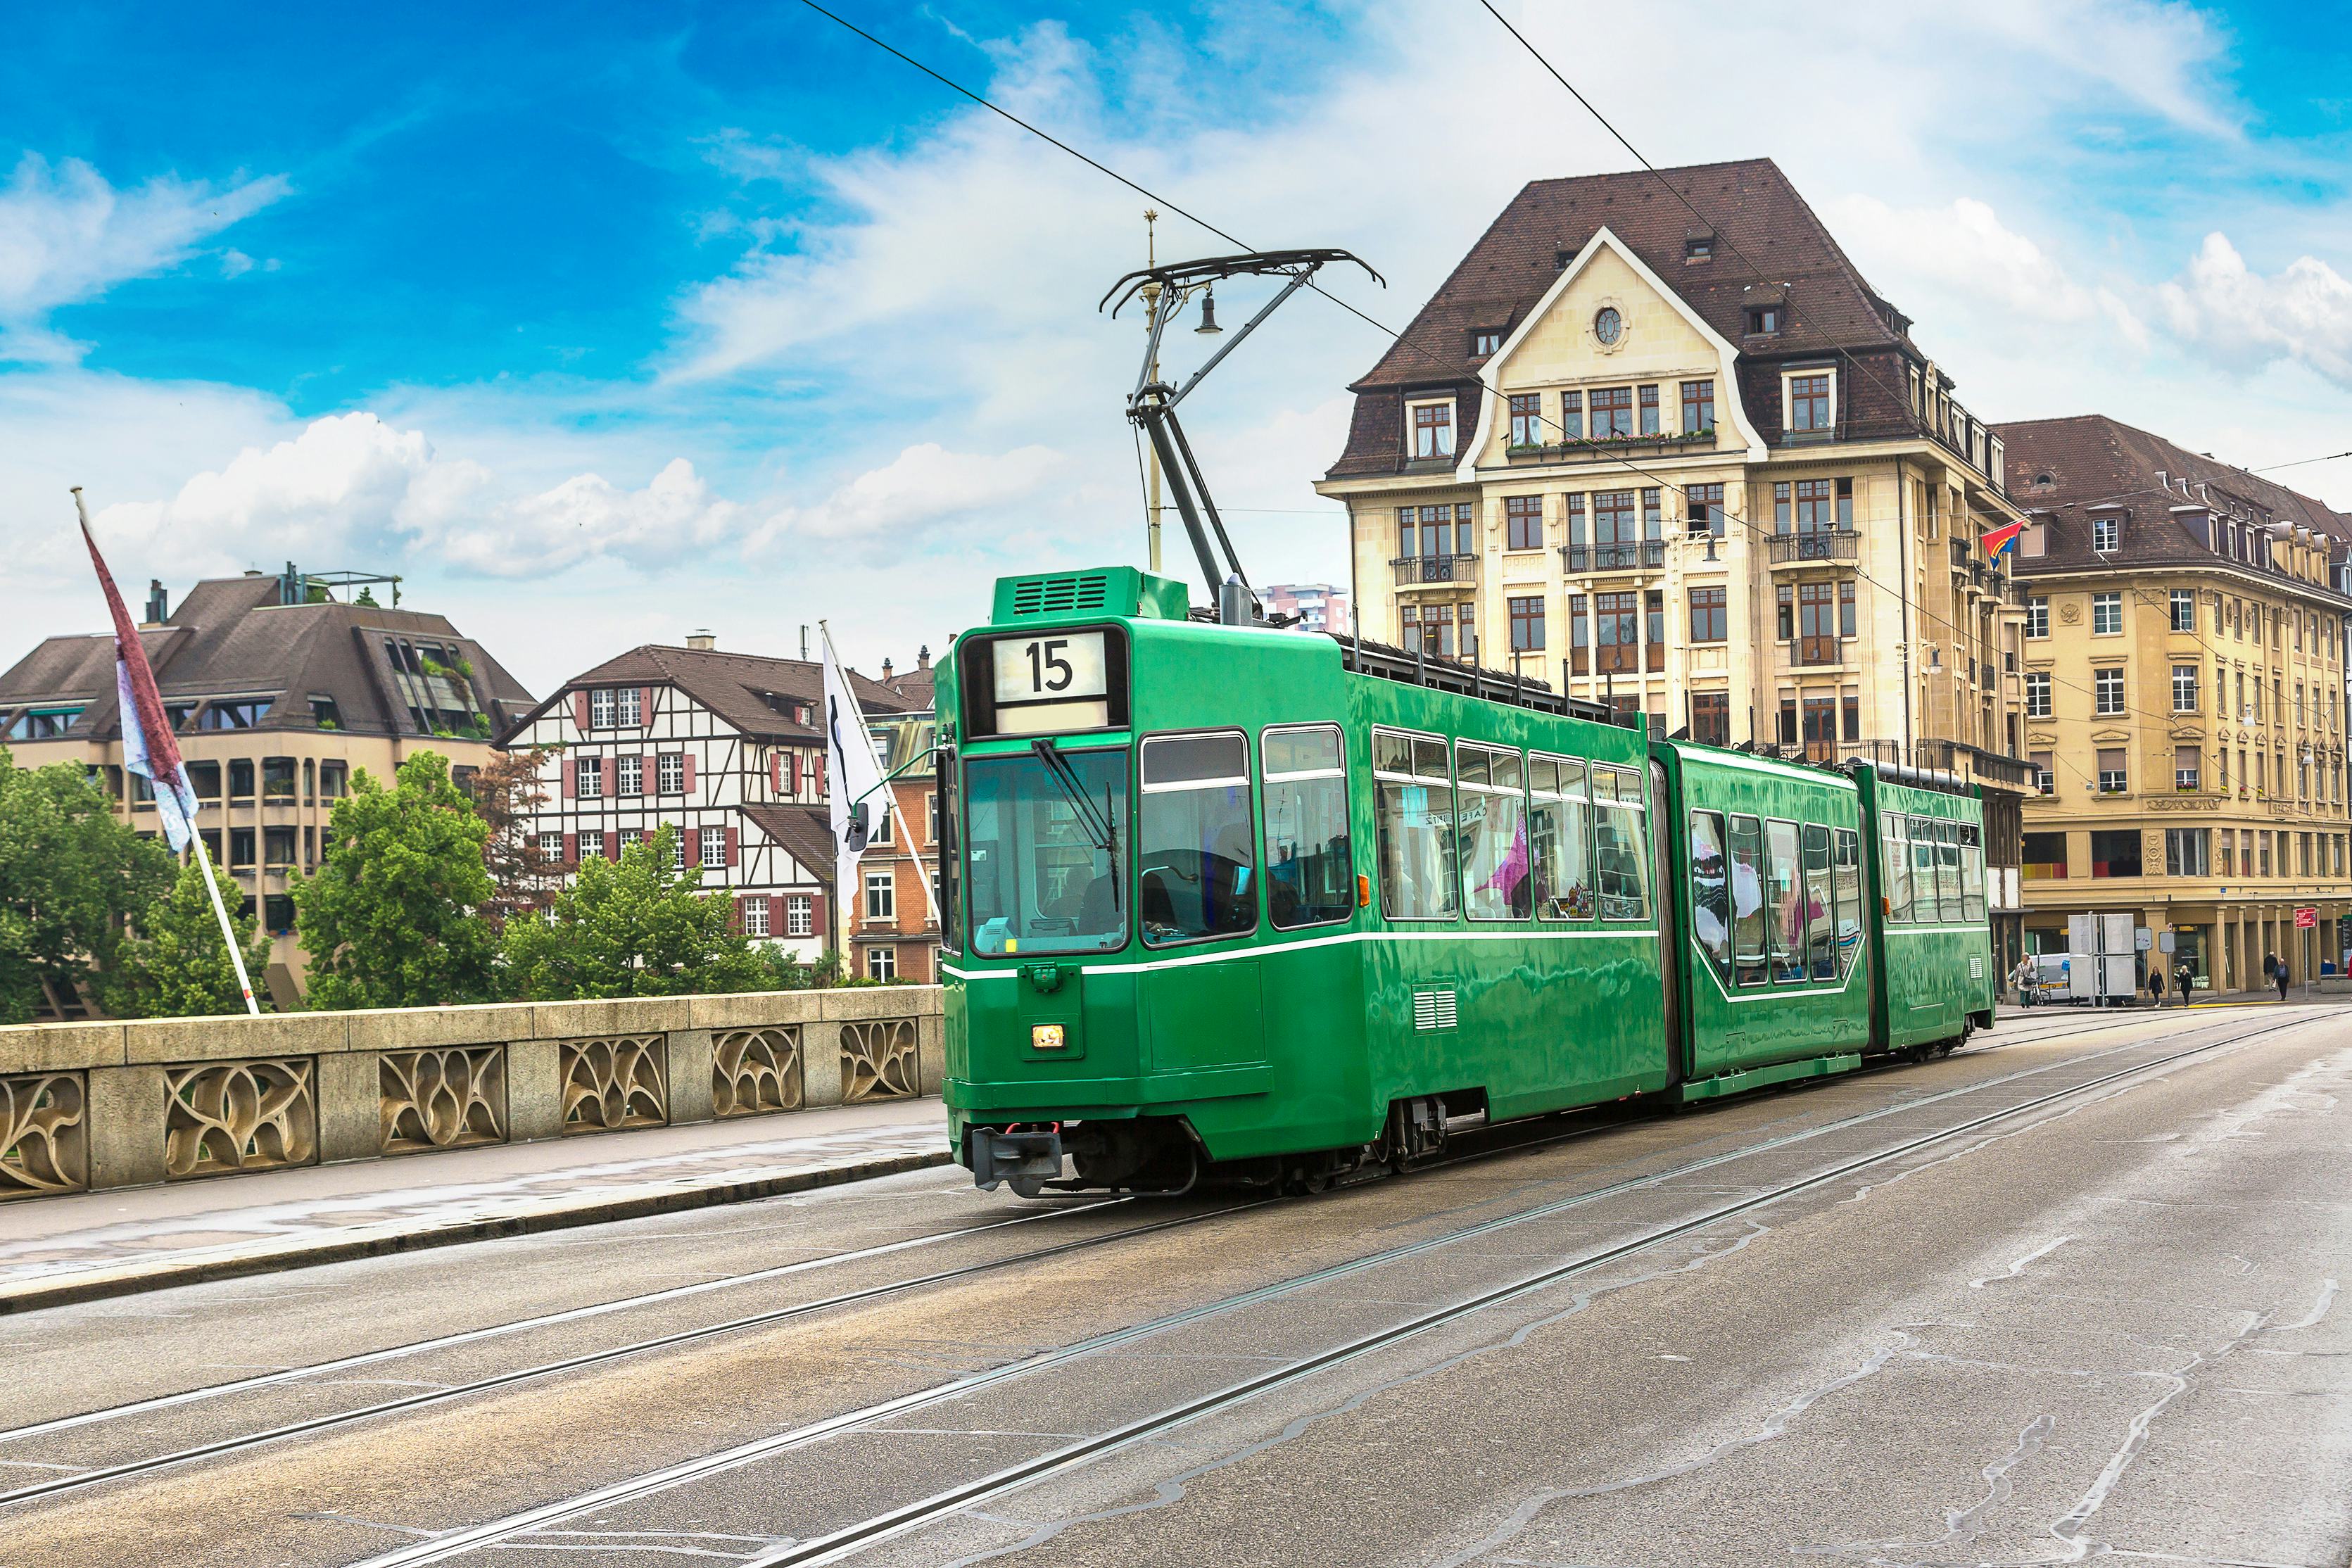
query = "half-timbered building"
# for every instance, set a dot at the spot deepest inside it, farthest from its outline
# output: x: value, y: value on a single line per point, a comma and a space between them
x: 728, y: 748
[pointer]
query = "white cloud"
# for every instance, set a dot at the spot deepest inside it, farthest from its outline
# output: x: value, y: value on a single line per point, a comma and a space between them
x: 2245, y: 319
x: 66, y: 235
x: 895, y: 509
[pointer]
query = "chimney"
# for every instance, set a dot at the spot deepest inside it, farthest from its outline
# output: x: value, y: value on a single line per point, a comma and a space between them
x: 923, y: 659
x: 701, y: 640
x: 886, y: 672
x: 159, y: 603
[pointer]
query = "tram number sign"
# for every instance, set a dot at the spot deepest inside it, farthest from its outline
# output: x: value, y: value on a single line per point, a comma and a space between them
x: 2306, y: 918
x: 1054, y: 681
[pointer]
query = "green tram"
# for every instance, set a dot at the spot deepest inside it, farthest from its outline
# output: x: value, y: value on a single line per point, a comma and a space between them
x: 1233, y: 903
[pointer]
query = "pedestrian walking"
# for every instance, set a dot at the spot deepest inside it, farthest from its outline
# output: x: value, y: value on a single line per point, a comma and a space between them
x: 2156, y: 983
x: 2184, y: 980
x: 2022, y: 978
x: 2279, y: 975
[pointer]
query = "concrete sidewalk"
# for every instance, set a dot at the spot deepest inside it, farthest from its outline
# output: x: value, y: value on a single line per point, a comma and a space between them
x: 114, y: 1243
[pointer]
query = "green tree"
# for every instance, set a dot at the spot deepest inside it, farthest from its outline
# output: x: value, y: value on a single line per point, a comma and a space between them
x: 392, y: 918
x: 635, y: 927
x: 71, y: 877
x: 176, y: 966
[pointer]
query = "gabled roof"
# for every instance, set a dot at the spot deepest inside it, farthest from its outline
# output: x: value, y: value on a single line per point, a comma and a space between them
x: 2066, y: 466
x: 231, y: 638
x: 734, y: 686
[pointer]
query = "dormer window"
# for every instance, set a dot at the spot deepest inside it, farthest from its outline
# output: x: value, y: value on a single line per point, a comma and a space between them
x: 1484, y: 341
x: 1698, y: 247
x: 1763, y: 319
x: 2106, y: 535
x: 1432, y: 428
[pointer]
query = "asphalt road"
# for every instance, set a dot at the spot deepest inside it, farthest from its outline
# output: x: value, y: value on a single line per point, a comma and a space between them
x: 1810, y: 1326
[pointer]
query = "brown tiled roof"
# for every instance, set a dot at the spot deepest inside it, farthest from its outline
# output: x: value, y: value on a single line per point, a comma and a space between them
x: 230, y: 637
x: 2062, y: 467
x: 1758, y: 223
x: 735, y: 686
x: 804, y: 831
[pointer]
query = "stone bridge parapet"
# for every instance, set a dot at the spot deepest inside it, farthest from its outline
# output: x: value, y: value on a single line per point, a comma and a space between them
x: 95, y: 1105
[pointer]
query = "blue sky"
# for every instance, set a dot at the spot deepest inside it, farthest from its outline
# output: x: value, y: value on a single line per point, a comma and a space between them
x: 604, y: 326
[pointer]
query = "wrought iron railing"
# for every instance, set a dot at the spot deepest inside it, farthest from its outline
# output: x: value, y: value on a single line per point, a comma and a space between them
x: 1841, y: 544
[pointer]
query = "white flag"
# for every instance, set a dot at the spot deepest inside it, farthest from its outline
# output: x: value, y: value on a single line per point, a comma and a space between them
x: 855, y: 773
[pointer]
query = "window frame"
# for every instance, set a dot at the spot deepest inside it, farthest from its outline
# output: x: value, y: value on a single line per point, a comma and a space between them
x: 1265, y: 781
x: 1248, y: 780
x: 1453, y: 916
x: 1418, y: 416
x: 1579, y: 805
x: 884, y: 883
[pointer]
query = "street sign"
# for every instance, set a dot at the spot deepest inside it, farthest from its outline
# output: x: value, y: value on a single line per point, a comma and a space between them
x: 2164, y: 941
x: 2306, y: 918
x: 2143, y: 939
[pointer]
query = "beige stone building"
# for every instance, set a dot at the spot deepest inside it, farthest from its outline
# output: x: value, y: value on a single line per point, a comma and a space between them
x: 2185, y: 669
x: 279, y: 693
x: 1694, y: 466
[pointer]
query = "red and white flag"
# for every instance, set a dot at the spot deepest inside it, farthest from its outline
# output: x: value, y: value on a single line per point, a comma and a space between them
x: 149, y: 748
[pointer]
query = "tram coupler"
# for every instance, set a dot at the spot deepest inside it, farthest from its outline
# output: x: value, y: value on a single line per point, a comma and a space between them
x: 1028, y: 1157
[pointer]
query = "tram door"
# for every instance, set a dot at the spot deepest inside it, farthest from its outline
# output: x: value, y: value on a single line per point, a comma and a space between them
x: 1668, y: 905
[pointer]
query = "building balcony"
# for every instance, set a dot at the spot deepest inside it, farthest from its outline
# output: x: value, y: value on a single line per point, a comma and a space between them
x: 1807, y: 549
x: 1436, y: 571
x: 1812, y: 653
x: 1608, y: 449
x: 1643, y: 557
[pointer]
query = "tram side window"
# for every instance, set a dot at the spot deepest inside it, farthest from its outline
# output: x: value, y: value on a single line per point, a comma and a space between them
x: 1620, y: 866
x: 1711, y: 890
x: 1559, y: 839
x: 1947, y: 870
x: 950, y: 859
x: 1309, y: 875
x: 1195, y: 872
x: 1925, y: 907
x: 1846, y: 881
x: 1412, y: 808
x: 1494, y: 831
x: 1750, y: 948
x: 1786, y: 896
x: 1821, y: 925
x: 1894, y: 868
x: 1972, y: 873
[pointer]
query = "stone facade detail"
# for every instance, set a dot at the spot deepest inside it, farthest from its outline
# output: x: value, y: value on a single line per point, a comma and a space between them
x: 878, y: 1060
x: 755, y: 1071
x: 443, y: 1099
x: 44, y: 1145
x: 615, y: 1083
x: 249, y: 1115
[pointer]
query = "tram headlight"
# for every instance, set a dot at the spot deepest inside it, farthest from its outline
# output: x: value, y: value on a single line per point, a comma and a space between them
x: 1046, y: 1036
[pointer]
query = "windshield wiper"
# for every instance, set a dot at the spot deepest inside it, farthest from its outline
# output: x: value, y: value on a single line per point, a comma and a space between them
x: 1100, y: 827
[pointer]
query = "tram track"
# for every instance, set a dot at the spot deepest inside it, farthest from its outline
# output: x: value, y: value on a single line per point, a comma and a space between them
x: 837, y: 1543
x: 1508, y: 1138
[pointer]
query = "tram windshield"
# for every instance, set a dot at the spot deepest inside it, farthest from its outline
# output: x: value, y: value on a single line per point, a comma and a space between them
x: 1043, y: 838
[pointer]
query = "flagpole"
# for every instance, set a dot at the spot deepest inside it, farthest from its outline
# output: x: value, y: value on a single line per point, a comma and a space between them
x: 175, y: 785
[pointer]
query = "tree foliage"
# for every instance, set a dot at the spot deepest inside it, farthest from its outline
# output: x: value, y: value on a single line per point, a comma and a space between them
x: 176, y: 966
x: 524, y: 875
x: 635, y: 927
x: 393, y: 917
x: 71, y: 876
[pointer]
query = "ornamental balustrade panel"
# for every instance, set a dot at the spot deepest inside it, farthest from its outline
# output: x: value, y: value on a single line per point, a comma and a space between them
x: 755, y: 1071
x: 615, y: 1083
x: 878, y: 1060
x: 252, y: 1115
x: 44, y: 1135
x: 445, y: 1097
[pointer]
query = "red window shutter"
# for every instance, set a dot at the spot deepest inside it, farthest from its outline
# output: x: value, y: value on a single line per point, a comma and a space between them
x: 572, y: 848
x: 822, y: 931
x: 776, y: 772
x: 648, y: 779
x: 775, y: 914
x: 792, y: 759
x: 612, y: 777
x: 692, y: 839
x: 689, y: 772
x: 580, y: 710
x: 570, y: 773
x: 645, y: 706
x: 731, y: 850
x: 816, y: 770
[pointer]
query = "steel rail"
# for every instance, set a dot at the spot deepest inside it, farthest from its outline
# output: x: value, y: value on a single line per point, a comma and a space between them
x: 455, y: 1542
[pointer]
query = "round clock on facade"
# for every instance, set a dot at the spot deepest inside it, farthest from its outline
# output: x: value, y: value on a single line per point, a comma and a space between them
x: 1608, y: 326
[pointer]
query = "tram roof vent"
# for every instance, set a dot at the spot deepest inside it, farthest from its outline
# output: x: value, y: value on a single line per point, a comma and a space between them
x: 1109, y: 591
